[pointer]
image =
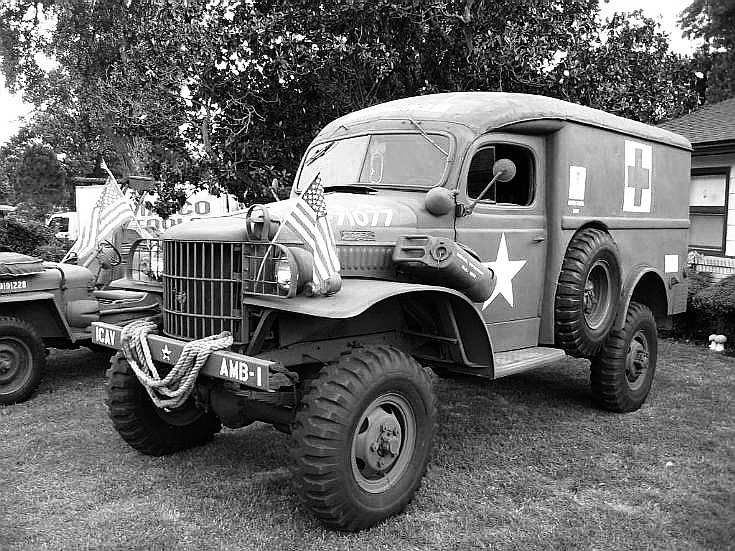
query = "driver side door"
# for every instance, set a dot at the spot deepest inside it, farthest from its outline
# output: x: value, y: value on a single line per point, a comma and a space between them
x: 507, y: 229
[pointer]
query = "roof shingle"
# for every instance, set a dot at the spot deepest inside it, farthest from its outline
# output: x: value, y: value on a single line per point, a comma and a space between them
x: 711, y: 123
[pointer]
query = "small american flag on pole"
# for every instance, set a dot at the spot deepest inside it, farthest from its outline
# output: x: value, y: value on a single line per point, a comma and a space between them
x: 308, y: 218
x: 110, y: 212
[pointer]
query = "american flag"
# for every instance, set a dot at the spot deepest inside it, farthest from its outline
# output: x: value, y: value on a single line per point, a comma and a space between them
x: 308, y: 218
x: 110, y: 212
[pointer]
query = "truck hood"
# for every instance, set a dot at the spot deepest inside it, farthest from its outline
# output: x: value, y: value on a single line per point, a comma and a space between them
x: 381, y: 216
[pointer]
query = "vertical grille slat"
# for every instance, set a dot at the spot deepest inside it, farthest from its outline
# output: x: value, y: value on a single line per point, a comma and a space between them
x: 201, y: 289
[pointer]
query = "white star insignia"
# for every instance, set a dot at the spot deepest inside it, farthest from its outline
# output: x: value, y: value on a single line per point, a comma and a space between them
x: 166, y: 351
x: 505, y: 270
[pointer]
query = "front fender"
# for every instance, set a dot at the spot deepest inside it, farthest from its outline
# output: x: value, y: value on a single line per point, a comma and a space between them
x: 38, y: 309
x: 355, y: 297
x: 460, y: 318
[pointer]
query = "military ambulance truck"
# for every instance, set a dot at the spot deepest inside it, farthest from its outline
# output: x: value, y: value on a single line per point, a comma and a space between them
x: 478, y: 233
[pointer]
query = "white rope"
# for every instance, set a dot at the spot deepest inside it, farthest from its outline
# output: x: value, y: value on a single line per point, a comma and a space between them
x: 174, y: 389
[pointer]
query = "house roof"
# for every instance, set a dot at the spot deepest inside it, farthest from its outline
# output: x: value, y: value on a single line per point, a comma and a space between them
x: 711, y: 123
x: 491, y: 111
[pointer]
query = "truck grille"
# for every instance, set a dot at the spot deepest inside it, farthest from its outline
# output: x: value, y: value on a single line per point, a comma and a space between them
x: 203, y: 282
x: 202, y: 289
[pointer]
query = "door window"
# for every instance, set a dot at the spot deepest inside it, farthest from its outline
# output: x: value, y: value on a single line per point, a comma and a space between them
x: 517, y: 191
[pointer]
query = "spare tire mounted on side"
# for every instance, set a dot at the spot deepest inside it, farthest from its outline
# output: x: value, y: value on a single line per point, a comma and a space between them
x: 588, y: 293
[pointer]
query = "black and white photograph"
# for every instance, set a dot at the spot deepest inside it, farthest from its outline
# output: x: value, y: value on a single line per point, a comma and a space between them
x: 411, y: 275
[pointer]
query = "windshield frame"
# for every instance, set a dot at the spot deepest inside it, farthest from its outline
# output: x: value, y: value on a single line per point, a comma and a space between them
x: 441, y: 181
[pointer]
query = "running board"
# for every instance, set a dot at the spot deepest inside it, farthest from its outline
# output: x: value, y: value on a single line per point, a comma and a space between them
x: 506, y: 363
x: 518, y: 361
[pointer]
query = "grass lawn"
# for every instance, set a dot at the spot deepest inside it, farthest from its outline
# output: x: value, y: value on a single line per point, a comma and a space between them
x: 521, y: 463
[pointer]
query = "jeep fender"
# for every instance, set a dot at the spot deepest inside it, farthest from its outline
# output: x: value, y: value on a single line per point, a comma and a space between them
x: 357, y: 296
x: 39, y: 310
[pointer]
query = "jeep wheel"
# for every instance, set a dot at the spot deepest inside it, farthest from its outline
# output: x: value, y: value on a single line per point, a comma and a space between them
x: 22, y: 360
x: 362, y: 437
x: 587, y: 294
x: 622, y: 375
x: 147, y: 428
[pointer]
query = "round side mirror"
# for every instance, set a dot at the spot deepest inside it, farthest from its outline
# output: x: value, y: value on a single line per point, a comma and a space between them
x: 504, y: 170
x: 439, y: 201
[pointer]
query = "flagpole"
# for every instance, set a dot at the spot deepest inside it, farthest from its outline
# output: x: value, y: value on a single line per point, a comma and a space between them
x: 280, y: 227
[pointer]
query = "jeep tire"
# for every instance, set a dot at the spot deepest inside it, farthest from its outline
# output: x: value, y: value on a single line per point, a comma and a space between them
x: 622, y: 375
x: 143, y: 425
x: 362, y: 437
x: 22, y: 360
x: 588, y: 293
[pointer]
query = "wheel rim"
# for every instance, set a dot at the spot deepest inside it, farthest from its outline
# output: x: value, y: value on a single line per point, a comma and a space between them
x: 637, y: 361
x: 16, y: 362
x: 597, y: 293
x: 383, y: 443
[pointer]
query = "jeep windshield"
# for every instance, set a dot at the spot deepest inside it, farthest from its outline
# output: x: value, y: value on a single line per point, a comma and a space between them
x: 416, y: 160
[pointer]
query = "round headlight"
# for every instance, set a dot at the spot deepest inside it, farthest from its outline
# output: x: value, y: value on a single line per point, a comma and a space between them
x: 284, y: 274
x: 146, y: 261
x: 155, y: 270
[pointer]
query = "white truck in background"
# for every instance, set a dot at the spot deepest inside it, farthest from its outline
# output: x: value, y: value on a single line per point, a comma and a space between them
x: 199, y: 204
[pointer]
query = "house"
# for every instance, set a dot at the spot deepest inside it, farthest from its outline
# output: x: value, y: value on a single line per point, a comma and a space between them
x: 711, y: 130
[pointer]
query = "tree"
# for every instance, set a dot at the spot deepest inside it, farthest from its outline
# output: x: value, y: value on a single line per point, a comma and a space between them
x: 713, y: 21
x: 229, y: 93
x: 626, y: 68
x: 36, y: 178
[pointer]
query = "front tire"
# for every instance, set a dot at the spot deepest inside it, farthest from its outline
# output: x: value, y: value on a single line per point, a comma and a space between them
x: 362, y: 437
x: 622, y: 375
x: 144, y: 426
x: 22, y: 360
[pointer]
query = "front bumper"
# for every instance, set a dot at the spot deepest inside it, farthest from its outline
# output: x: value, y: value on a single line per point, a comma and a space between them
x: 222, y: 364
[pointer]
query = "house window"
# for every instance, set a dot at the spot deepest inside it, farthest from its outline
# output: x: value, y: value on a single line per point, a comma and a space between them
x: 518, y: 191
x: 708, y: 209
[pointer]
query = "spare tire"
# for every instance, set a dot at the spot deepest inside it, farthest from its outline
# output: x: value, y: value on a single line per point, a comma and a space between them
x: 588, y: 293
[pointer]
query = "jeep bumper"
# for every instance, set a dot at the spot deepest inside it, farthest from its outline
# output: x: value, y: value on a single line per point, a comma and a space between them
x: 222, y: 364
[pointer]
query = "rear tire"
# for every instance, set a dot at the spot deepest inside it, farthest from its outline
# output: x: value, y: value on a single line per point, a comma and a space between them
x: 144, y: 426
x: 588, y: 293
x: 22, y: 360
x: 362, y: 437
x: 622, y: 375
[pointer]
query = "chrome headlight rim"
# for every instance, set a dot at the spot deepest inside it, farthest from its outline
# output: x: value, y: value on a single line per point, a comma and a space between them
x: 146, y: 261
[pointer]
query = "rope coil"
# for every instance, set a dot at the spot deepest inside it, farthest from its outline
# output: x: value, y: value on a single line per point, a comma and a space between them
x: 174, y: 389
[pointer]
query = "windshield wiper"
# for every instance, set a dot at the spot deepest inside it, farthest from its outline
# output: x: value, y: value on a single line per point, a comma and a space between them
x: 319, y: 153
x: 428, y: 138
x: 351, y: 188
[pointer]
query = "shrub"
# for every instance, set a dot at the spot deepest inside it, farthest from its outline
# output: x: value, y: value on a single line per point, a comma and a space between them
x: 32, y: 238
x: 719, y: 298
x: 710, y: 309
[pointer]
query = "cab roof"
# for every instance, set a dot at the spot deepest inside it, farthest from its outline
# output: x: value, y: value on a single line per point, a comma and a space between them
x: 492, y: 111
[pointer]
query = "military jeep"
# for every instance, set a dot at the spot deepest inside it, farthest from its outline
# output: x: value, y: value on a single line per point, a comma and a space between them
x: 483, y: 234
x: 52, y: 305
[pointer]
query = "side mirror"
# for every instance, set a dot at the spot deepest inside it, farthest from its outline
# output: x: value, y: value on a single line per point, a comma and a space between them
x: 504, y: 170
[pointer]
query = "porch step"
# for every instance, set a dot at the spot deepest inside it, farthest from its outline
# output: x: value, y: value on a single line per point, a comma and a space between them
x: 517, y: 361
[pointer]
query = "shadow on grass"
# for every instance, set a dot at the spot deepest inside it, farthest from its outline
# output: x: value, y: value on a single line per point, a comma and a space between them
x: 558, y: 386
x: 70, y: 367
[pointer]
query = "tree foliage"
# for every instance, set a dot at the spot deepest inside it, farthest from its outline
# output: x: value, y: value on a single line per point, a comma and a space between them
x: 229, y: 93
x: 713, y: 21
x: 36, y: 179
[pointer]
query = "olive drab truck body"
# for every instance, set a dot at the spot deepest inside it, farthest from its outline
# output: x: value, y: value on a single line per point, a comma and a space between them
x: 480, y: 233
